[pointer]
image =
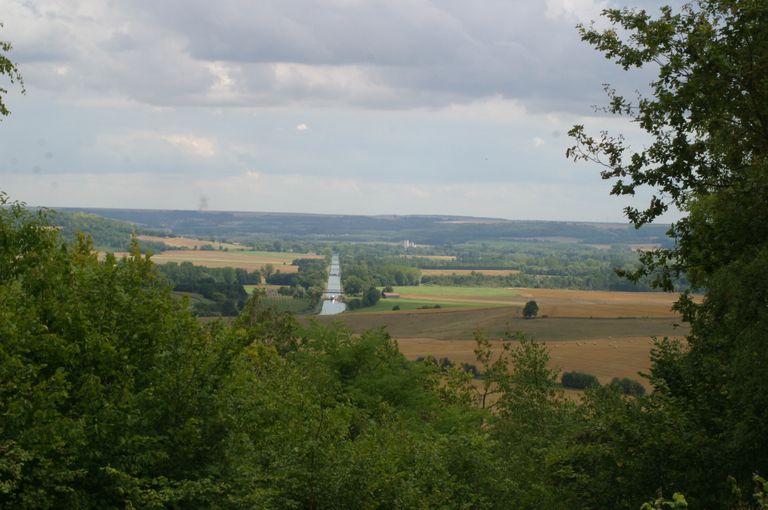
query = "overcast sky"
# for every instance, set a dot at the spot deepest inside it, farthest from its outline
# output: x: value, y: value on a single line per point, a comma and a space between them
x: 326, y: 106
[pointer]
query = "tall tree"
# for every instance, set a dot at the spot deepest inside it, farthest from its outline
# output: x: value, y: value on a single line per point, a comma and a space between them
x: 707, y: 116
x: 9, y: 69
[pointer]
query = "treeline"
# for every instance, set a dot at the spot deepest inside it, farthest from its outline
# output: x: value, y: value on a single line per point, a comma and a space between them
x: 222, y: 288
x: 603, y: 279
x: 362, y: 275
x: 113, y: 395
x: 107, y: 234
x: 363, y: 271
x: 427, y: 230
x: 308, y: 282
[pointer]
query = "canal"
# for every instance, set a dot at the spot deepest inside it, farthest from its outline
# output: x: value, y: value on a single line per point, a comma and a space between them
x: 332, y: 303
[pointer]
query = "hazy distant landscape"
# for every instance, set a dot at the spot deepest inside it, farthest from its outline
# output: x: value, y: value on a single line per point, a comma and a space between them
x: 481, y: 267
x: 431, y: 230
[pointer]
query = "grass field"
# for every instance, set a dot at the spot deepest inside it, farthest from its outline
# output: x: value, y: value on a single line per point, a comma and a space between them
x: 250, y: 260
x: 385, y: 305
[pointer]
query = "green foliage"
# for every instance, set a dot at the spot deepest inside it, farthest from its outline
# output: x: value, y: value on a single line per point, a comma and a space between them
x: 222, y: 287
x: 579, y: 380
x: 628, y: 386
x: 677, y: 502
x: 8, y: 69
x: 706, y: 115
x: 108, y: 387
x: 366, y: 270
x: 530, y: 310
x: 371, y: 297
x: 107, y: 234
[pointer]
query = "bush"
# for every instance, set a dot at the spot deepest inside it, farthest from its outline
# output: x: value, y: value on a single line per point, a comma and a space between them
x: 396, y: 307
x: 629, y: 386
x: 445, y: 363
x: 354, y: 303
x: 472, y: 369
x: 530, y: 310
x: 371, y: 296
x: 579, y: 380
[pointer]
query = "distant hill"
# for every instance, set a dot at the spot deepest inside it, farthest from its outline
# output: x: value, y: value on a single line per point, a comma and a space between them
x: 107, y: 233
x: 422, y: 229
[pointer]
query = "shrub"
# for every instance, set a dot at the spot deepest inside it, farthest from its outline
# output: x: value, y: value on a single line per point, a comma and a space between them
x: 472, y: 369
x: 579, y: 380
x: 629, y: 386
x: 530, y: 310
x: 396, y: 307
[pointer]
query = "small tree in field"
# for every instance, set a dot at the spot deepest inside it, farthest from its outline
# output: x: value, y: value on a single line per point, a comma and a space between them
x: 530, y: 310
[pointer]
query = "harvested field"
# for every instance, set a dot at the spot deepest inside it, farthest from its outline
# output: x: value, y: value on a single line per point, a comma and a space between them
x: 595, y: 303
x: 249, y: 260
x: 552, y: 302
x: 460, y: 324
x: 487, y: 272
x: 188, y: 242
x: 607, y: 334
x: 605, y: 358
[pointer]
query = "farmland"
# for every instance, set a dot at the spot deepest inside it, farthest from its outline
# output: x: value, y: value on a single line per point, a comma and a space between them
x: 552, y: 302
x: 605, y: 358
x: 190, y: 243
x: 607, y: 334
x: 249, y: 260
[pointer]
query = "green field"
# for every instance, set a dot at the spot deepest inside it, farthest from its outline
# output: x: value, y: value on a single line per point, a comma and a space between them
x: 436, y: 291
x: 385, y: 305
x: 446, y: 297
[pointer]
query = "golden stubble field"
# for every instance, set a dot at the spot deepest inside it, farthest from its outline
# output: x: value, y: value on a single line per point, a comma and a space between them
x: 249, y: 260
x: 605, y: 358
x: 190, y: 243
x: 607, y: 334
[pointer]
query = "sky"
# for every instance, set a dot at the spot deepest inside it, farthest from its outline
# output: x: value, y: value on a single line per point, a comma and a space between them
x: 322, y: 106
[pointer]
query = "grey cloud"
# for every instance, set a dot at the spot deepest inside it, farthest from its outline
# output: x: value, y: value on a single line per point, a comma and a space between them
x: 374, y: 54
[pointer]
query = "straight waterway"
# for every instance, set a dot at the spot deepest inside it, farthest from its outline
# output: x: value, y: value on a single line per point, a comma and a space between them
x: 332, y: 303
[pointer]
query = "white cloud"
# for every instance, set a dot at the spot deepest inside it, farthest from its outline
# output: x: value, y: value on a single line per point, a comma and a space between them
x: 538, y: 142
x: 302, y: 127
x: 194, y: 144
x: 582, y: 11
